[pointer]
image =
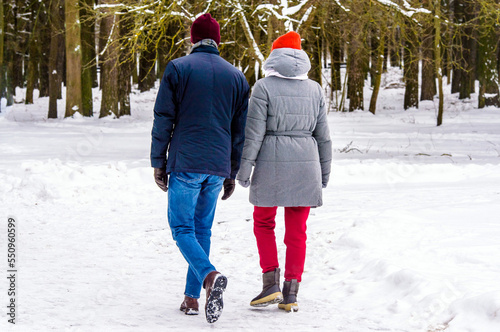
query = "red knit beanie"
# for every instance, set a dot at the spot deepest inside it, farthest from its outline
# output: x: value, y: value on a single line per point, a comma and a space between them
x: 205, y: 27
x: 289, y: 40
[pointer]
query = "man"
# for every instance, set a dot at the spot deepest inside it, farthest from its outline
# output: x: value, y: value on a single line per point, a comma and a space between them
x: 199, y: 117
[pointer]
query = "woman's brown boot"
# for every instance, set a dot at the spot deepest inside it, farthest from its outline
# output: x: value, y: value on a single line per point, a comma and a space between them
x: 271, y: 292
x: 290, y: 290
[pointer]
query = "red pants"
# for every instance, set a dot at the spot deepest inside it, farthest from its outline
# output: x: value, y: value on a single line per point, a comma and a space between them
x: 295, y: 239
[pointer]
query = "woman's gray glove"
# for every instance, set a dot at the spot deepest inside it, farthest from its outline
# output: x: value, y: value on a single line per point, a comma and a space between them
x: 244, y: 173
x: 244, y: 183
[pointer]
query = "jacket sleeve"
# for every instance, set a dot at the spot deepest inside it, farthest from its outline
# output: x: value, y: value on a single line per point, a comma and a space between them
x: 255, y: 131
x: 164, y: 116
x: 238, y: 129
x: 322, y: 135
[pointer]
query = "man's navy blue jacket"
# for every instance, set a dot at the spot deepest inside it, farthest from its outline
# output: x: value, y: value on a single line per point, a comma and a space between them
x: 200, y: 115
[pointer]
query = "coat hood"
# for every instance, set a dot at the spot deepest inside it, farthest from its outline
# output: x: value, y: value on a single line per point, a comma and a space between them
x: 288, y: 62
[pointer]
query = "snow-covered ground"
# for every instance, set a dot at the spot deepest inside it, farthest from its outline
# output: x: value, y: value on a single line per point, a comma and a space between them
x: 408, y: 238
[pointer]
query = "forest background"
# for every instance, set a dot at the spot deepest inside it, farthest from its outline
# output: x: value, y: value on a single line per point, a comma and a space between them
x: 118, y: 45
x: 407, y: 236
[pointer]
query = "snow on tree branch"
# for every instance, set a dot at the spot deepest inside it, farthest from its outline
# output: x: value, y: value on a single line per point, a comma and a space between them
x: 128, y: 8
x: 409, y: 11
x: 286, y: 12
x: 248, y: 31
x: 295, y: 9
x: 342, y: 6
x: 305, y: 17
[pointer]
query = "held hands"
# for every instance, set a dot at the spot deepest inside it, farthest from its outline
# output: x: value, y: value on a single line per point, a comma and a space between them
x: 161, y: 178
x: 229, y: 185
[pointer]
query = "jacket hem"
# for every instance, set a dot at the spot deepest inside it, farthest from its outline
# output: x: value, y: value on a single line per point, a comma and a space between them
x: 199, y: 171
x: 285, y: 205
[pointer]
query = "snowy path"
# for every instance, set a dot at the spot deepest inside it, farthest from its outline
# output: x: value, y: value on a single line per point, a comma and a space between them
x: 408, y: 239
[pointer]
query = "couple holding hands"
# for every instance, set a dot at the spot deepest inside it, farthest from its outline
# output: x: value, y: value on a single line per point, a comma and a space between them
x: 207, y: 132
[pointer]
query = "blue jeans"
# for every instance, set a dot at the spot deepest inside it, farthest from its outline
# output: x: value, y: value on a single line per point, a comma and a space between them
x: 192, y: 199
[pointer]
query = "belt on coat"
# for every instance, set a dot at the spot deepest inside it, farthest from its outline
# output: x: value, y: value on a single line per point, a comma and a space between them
x: 292, y: 133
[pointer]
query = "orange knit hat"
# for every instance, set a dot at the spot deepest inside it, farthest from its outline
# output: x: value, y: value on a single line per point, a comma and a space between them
x: 289, y: 40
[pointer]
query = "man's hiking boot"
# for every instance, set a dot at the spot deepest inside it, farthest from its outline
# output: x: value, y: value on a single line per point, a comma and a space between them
x: 189, y: 306
x: 271, y: 292
x: 215, y: 285
x: 290, y: 290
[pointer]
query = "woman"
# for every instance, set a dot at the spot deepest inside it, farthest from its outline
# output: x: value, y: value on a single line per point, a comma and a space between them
x: 288, y: 141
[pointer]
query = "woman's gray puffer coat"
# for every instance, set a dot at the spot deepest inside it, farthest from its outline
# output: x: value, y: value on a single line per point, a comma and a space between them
x: 286, y: 136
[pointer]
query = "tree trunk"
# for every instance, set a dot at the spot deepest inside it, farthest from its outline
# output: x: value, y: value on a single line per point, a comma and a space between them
x: 2, y: 68
x: 356, y: 75
x: 61, y: 55
x: 498, y: 53
x: 395, y: 58
x: 33, y: 58
x: 357, y: 60
x: 456, y: 79
x: 312, y: 46
x: 437, y: 61
x: 386, y: 55
x: 20, y: 45
x: 44, y: 37
x: 90, y: 43
x: 9, y: 84
x: 147, y: 76
x: 73, y: 59
x: 428, y: 67
x: 56, y: 43
x: 135, y: 75
x: 374, y: 54
x: 109, y: 66
x: 62, y: 64
x: 456, y: 53
x: 8, y: 49
x: 458, y: 69
x: 447, y: 37
x: 103, y: 35
x: 410, y: 72
x: 488, y: 67
x: 88, y: 57
x: 9, y: 46
x: 465, y: 13
x: 379, y: 68
x: 163, y: 56
x: 126, y: 66
x: 32, y: 72
x: 335, y: 65
x: 251, y: 63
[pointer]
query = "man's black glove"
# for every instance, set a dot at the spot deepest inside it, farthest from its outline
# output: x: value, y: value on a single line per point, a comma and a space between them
x: 161, y: 178
x: 229, y: 185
